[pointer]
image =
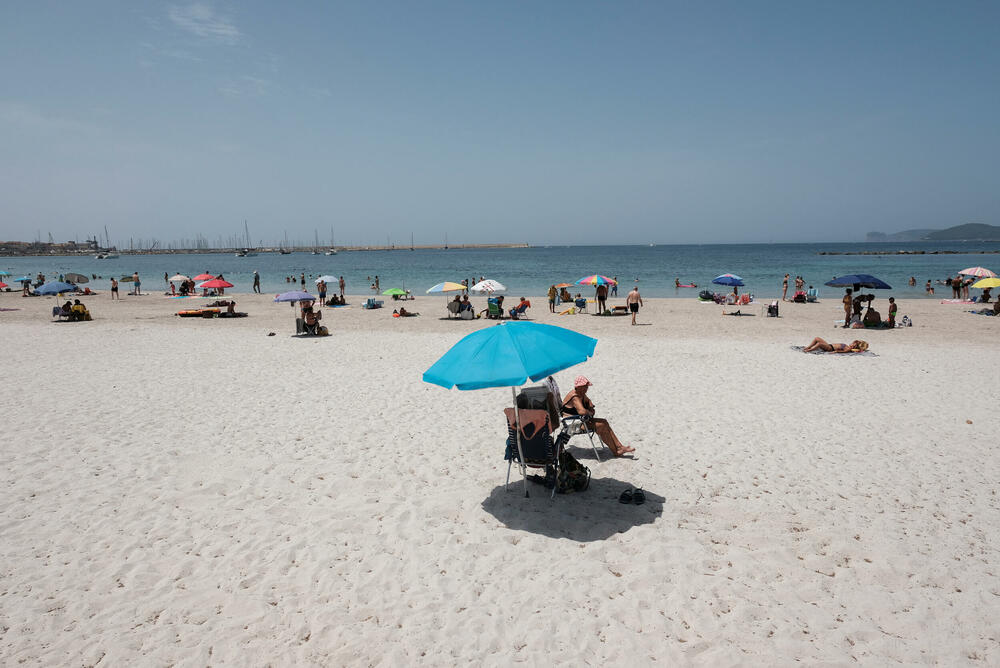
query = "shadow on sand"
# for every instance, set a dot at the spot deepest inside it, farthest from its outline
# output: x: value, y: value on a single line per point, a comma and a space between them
x: 594, y: 514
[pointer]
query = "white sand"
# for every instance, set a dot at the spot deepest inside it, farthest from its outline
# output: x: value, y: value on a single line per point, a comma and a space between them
x: 195, y: 492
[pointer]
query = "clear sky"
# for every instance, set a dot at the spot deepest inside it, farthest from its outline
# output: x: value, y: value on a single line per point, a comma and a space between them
x: 572, y: 122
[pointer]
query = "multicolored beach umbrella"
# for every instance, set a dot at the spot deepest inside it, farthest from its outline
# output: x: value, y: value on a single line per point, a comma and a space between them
x: 728, y: 279
x: 596, y: 279
x: 978, y: 272
x: 447, y: 286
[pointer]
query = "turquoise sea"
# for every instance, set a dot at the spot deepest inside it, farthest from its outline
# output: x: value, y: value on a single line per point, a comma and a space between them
x: 530, y: 271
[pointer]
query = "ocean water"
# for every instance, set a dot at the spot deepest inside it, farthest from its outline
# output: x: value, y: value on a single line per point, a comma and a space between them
x: 530, y: 271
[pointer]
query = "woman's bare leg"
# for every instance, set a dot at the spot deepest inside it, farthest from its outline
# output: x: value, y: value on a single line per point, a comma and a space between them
x: 818, y: 343
x: 608, y: 438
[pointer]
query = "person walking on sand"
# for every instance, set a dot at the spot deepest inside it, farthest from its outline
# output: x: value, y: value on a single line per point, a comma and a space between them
x: 256, y: 281
x: 614, y: 287
x: 114, y: 289
x: 553, y: 295
x: 341, y: 282
x: 634, y: 301
x: 784, y: 288
x: 848, y: 302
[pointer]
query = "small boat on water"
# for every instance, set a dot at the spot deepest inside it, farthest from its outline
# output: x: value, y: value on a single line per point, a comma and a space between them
x: 106, y: 256
x: 248, y: 251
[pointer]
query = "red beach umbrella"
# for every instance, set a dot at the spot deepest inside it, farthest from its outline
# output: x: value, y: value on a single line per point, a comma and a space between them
x: 2, y: 284
x: 215, y: 283
x: 204, y: 277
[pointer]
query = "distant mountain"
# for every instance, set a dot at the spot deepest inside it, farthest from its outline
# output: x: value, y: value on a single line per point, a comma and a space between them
x: 905, y: 235
x: 967, y: 232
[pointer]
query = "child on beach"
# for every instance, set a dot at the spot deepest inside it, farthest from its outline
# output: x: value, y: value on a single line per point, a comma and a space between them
x: 892, y: 311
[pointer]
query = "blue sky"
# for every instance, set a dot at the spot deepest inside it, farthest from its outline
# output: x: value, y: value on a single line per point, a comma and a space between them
x: 581, y: 122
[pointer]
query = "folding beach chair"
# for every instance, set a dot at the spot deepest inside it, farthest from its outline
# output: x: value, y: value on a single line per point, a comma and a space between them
x: 453, y: 308
x: 493, y: 310
x: 536, y: 443
x: 572, y: 425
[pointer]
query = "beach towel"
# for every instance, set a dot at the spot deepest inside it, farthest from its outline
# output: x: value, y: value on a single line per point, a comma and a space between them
x: 958, y: 301
x: 984, y: 311
x: 866, y: 353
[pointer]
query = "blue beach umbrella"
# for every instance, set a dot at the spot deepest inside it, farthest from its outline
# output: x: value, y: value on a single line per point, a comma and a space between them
x: 22, y: 278
x: 295, y: 296
x: 728, y: 279
x: 55, y: 287
x: 4, y: 273
x: 509, y: 354
x: 859, y: 281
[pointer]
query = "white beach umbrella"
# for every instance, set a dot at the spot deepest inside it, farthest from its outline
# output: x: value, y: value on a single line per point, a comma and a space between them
x: 488, y: 286
x: 327, y: 279
x: 179, y: 277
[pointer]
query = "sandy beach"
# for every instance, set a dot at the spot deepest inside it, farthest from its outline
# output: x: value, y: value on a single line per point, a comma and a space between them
x: 196, y: 492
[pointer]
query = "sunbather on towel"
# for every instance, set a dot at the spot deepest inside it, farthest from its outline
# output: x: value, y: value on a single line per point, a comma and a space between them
x: 855, y: 346
x: 578, y: 403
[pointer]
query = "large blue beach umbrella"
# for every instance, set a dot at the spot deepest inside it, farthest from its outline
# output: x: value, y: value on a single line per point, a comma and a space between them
x: 55, y: 287
x: 728, y: 279
x: 859, y: 281
x: 509, y: 354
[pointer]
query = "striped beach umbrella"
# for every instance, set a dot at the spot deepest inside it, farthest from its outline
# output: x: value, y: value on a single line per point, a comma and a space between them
x: 978, y: 272
x: 447, y: 286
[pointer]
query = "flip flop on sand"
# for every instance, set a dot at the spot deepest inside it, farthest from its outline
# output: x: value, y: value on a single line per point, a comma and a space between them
x: 639, y: 497
x: 626, y: 496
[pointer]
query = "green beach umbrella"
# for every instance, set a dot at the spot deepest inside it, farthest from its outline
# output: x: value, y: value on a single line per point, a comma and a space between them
x: 394, y: 292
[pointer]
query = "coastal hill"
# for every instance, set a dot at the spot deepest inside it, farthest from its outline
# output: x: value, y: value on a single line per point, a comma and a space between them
x: 967, y: 232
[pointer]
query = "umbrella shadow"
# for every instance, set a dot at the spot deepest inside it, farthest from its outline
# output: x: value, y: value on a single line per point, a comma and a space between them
x: 588, y: 516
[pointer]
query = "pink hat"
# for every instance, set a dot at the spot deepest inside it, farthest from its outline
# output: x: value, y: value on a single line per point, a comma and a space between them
x: 581, y: 381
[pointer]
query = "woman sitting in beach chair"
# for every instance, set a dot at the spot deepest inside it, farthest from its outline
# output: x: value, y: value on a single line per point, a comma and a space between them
x: 578, y: 403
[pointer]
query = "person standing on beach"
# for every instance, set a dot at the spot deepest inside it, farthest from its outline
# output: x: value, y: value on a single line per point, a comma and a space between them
x: 135, y: 282
x: 256, y: 281
x: 784, y: 288
x: 614, y: 287
x: 321, y: 287
x: 553, y: 295
x: 602, y: 298
x: 847, y: 308
x: 114, y: 289
x: 341, y: 286
x: 634, y: 301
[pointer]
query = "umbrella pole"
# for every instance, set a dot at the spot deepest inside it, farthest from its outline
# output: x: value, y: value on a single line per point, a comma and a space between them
x: 517, y: 437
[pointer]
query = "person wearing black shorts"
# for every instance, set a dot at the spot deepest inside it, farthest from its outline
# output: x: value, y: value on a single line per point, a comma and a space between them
x: 634, y: 301
x: 114, y: 289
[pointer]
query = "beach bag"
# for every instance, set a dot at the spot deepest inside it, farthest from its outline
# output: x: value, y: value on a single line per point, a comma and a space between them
x: 906, y: 322
x: 573, y: 476
x: 706, y: 296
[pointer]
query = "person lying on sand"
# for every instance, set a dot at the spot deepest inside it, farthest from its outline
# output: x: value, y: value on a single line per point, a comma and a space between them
x: 855, y: 346
x: 578, y: 403
x: 403, y: 313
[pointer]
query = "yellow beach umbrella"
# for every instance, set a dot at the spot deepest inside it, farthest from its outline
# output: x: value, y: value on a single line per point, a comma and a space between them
x: 987, y: 283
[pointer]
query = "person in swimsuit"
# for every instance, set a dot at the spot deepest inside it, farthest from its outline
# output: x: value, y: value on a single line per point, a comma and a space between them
x: 114, y: 289
x: 855, y: 346
x: 784, y: 288
x: 847, y: 308
x: 892, y: 311
x: 634, y: 301
x: 578, y: 403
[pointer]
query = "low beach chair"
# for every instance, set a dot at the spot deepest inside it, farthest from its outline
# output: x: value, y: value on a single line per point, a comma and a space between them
x: 372, y: 303
x: 493, y: 310
x: 536, y: 443
x: 581, y: 305
x: 812, y: 295
x: 453, y: 308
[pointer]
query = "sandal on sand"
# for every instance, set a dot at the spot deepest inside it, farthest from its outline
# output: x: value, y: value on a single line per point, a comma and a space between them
x: 639, y: 497
x: 626, y: 496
